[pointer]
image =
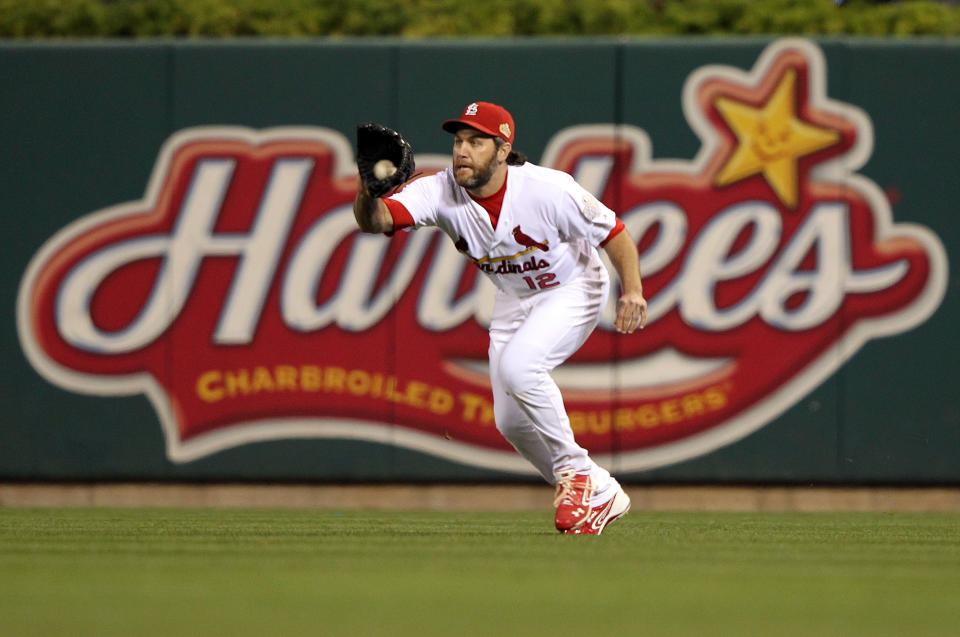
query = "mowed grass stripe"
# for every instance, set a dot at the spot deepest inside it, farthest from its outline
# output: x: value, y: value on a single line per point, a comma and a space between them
x: 313, y: 572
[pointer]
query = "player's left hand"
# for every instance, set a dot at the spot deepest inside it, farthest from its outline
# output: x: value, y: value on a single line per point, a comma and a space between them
x: 631, y: 312
x: 374, y: 143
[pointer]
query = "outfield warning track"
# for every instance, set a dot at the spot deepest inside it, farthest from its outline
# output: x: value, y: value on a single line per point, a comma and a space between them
x: 474, y: 497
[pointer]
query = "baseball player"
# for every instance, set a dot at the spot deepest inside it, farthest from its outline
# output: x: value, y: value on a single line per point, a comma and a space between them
x: 535, y: 232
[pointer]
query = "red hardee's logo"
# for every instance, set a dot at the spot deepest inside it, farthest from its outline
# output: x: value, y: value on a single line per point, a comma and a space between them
x: 239, y: 297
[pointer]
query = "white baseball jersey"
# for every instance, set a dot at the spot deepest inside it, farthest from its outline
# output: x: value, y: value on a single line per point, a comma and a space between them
x: 545, y: 235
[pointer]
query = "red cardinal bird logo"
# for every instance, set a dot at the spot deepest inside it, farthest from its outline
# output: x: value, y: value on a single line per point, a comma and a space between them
x: 526, y: 241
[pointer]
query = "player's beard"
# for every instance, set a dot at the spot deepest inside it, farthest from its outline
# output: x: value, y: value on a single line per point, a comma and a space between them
x: 481, y: 175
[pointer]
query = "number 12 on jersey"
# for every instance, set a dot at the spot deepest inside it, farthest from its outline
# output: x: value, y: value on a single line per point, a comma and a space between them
x: 542, y: 281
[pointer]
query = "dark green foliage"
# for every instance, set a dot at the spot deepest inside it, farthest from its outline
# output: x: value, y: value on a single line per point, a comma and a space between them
x: 429, y: 18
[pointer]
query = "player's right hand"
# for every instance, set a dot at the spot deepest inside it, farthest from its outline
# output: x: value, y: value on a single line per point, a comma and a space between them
x: 631, y: 312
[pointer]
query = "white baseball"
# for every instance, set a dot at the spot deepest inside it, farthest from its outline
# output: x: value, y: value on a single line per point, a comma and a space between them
x: 383, y: 169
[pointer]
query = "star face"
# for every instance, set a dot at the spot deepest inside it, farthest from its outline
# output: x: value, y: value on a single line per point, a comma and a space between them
x: 770, y: 140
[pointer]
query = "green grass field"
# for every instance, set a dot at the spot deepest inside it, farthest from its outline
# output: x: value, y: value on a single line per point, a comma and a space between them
x: 310, y: 572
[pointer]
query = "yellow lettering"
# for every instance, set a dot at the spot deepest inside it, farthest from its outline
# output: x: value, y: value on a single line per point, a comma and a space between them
x: 376, y: 389
x: 471, y: 404
x: 391, y: 391
x: 216, y: 385
x: 237, y: 382
x: 334, y: 379
x: 578, y: 422
x: 715, y: 397
x: 416, y: 394
x: 648, y: 416
x: 599, y: 423
x: 476, y: 408
x: 440, y: 401
x: 486, y: 413
x: 623, y: 419
x: 310, y: 378
x: 286, y: 377
x: 670, y: 411
x: 208, y: 387
x: 358, y: 382
x: 262, y: 380
x: 692, y: 405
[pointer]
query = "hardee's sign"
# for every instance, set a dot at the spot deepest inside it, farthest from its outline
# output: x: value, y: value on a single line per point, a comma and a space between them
x: 240, y: 298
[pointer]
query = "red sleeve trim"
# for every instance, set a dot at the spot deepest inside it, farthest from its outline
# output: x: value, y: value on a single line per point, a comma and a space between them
x: 401, y: 216
x: 617, y: 229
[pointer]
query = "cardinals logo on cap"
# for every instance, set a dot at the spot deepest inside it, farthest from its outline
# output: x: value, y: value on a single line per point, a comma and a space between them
x: 485, y: 117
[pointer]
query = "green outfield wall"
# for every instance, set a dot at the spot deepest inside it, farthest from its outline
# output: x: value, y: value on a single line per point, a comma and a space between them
x: 188, y: 299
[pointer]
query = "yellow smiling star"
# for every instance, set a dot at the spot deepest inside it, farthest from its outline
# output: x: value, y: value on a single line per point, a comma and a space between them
x: 770, y: 140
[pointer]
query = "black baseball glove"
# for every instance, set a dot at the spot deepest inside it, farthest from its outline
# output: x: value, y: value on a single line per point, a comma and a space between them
x: 376, y: 142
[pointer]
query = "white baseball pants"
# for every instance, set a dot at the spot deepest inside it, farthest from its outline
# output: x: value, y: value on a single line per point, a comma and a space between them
x: 529, y: 337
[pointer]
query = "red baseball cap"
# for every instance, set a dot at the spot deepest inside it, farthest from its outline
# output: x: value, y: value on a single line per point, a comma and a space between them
x: 487, y: 118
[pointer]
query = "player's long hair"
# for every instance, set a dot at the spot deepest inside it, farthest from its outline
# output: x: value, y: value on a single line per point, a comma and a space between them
x: 515, y: 158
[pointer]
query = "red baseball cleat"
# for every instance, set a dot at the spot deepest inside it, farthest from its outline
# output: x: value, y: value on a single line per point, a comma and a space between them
x: 603, y: 515
x: 572, y: 500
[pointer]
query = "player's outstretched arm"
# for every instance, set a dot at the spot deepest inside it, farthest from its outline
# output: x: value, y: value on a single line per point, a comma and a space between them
x: 371, y: 213
x: 631, y: 307
x: 385, y: 161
